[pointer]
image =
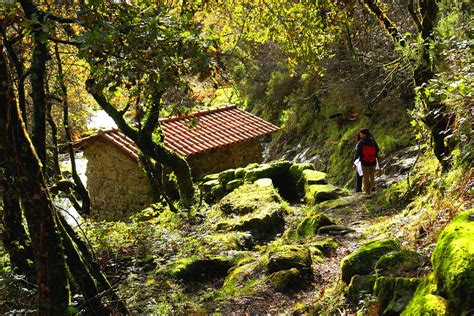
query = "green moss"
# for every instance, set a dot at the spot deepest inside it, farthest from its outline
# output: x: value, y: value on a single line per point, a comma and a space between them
x: 310, y: 225
x: 335, y: 230
x: 361, y: 286
x: 233, y: 184
x: 363, y: 260
x: 226, y: 176
x: 396, y: 262
x: 394, y: 293
x: 285, y: 279
x: 268, y: 171
x: 227, y: 241
x: 453, y: 263
x: 287, y: 257
x: 248, y: 198
x: 326, y: 246
x: 317, y: 193
x: 240, y: 173
x: 246, y: 270
x: 425, y: 301
x: 314, y: 177
x: 198, y: 268
x: 296, y: 175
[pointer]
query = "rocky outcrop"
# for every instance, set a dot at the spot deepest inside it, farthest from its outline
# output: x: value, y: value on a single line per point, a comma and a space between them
x: 364, y: 259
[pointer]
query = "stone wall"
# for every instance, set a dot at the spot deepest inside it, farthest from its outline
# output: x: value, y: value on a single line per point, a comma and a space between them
x: 117, y: 185
x: 233, y: 156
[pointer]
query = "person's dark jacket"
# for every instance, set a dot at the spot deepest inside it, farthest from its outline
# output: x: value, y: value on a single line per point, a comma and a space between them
x: 359, y: 153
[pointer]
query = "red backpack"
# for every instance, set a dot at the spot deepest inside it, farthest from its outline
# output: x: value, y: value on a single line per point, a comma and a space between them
x: 369, y: 155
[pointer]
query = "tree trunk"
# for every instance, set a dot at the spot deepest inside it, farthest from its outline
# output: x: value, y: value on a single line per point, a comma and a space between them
x: 38, y: 72
x: 80, y: 188
x: 92, y: 282
x: 53, y: 287
x: 15, y: 237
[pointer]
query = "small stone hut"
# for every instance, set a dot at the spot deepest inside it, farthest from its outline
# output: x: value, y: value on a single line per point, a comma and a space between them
x: 211, y: 140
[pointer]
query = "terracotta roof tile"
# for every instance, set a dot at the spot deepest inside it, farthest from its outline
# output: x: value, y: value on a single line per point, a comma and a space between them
x: 210, y: 129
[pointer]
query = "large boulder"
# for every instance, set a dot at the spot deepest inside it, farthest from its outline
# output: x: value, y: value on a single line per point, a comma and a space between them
x: 395, y: 263
x: 249, y: 198
x: 287, y: 257
x: 317, y: 193
x: 394, y: 293
x: 272, y: 170
x: 198, y: 268
x: 363, y: 260
x: 425, y: 301
x: 310, y: 225
x: 453, y: 263
x: 361, y: 287
x: 263, y: 225
x: 285, y: 279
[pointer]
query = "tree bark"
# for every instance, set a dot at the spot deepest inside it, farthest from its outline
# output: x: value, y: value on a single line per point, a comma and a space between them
x: 20, y: 72
x: 15, y: 237
x: 38, y: 71
x: 85, y: 263
x: 80, y: 188
x: 53, y: 287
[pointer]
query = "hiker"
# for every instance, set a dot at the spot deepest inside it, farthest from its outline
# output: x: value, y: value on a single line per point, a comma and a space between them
x: 358, y: 168
x: 367, y: 152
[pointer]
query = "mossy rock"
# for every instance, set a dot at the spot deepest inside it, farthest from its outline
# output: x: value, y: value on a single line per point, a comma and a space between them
x: 208, y: 185
x: 251, y: 166
x: 363, y: 260
x: 248, y: 198
x: 326, y: 246
x: 217, y: 192
x: 296, y: 175
x: 317, y: 193
x: 284, y: 280
x: 268, y: 171
x: 219, y: 242
x: 226, y: 176
x: 425, y: 301
x: 240, y: 173
x: 361, y: 287
x: 394, y: 293
x: 233, y: 184
x: 453, y: 263
x: 264, y: 183
x: 396, y: 262
x: 335, y: 230
x: 310, y: 225
x: 296, y: 169
x: 245, y: 270
x: 263, y: 225
x: 209, y: 177
x: 199, y: 268
x: 314, y: 177
x: 287, y: 257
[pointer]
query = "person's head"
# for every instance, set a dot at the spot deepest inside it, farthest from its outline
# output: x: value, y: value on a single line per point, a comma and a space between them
x: 365, y: 133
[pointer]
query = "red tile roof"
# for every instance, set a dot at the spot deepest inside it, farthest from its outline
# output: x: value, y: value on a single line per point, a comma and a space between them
x: 199, y: 131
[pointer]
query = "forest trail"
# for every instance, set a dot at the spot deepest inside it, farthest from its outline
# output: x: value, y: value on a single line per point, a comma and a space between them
x: 352, y: 213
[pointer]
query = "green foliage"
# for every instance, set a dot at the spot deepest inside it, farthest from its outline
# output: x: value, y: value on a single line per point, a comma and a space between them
x: 143, y: 50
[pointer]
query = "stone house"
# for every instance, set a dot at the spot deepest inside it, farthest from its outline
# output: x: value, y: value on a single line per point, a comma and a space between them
x: 211, y: 141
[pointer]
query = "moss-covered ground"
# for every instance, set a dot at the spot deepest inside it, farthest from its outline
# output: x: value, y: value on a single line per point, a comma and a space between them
x: 209, y: 261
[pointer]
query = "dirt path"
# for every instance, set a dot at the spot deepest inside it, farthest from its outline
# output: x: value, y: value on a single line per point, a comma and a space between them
x: 352, y: 214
